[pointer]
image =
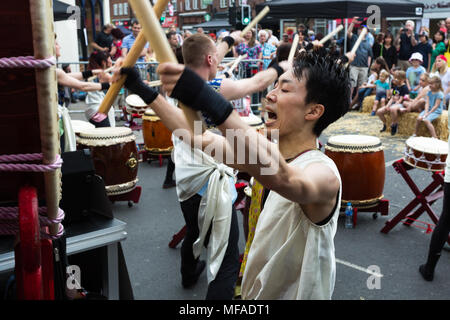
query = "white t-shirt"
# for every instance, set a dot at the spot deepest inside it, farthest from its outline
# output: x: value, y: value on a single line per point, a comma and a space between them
x: 93, y: 100
x: 445, y: 78
x: 292, y: 258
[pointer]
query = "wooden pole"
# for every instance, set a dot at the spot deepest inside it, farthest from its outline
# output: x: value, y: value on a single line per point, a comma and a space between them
x: 158, y: 41
x: 130, y: 60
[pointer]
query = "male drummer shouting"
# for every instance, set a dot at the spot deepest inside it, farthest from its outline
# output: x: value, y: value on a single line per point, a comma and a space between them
x: 292, y: 255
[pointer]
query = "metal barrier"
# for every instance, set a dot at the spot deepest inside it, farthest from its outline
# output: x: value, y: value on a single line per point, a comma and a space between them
x: 245, y: 69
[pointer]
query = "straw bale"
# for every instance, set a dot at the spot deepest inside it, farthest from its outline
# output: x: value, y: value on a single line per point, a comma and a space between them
x: 407, y: 122
x: 368, y: 104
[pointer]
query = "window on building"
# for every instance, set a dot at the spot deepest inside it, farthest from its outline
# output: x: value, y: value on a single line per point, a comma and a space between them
x: 231, y: 3
x: 202, y: 4
x: 115, y: 9
x: 125, y: 8
x: 194, y: 4
x: 223, y: 3
x: 120, y: 9
x: 240, y: 2
x: 187, y: 5
x: 174, y: 3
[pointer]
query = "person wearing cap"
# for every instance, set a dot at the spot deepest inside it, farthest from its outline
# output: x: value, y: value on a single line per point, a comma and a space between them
x: 413, y: 74
x: 424, y: 48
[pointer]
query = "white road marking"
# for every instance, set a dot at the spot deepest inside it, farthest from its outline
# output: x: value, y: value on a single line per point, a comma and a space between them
x: 354, y: 266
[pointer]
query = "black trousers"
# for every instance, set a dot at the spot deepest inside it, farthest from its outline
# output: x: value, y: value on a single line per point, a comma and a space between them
x: 222, y: 287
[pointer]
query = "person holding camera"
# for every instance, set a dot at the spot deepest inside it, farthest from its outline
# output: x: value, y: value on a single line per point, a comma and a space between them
x: 405, y: 42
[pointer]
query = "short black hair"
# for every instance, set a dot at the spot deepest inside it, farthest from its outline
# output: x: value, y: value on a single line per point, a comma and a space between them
x: 327, y: 82
x: 134, y: 21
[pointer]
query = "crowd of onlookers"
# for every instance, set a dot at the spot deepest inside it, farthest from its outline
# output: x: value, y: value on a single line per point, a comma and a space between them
x: 405, y: 71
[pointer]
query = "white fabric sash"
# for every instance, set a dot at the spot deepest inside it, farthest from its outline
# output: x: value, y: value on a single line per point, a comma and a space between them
x: 194, y: 170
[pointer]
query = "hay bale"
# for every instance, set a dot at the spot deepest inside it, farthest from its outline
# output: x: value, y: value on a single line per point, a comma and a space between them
x: 368, y: 104
x: 407, y: 123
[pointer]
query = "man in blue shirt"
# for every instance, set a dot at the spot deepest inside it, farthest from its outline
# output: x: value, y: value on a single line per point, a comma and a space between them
x: 359, y: 68
x: 129, y: 40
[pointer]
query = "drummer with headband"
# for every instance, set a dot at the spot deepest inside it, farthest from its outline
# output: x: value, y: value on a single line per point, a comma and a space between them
x: 299, y: 220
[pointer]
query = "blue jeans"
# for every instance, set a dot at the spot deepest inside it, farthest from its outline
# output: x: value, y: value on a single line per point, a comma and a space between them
x: 362, y: 93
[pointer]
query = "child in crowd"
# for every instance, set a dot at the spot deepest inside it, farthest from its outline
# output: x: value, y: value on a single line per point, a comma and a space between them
x: 433, y: 107
x: 382, y: 87
x: 366, y: 89
x: 399, y: 91
x: 413, y: 74
x: 418, y: 103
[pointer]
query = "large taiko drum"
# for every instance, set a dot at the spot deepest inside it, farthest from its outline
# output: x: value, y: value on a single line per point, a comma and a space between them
x: 115, y: 157
x: 157, y: 138
x: 360, y: 161
x: 426, y: 153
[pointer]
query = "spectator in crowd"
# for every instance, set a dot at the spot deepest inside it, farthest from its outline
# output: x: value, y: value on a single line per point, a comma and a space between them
x: 405, y: 42
x: 128, y: 42
x: 438, y: 46
x: 382, y: 91
x: 447, y: 34
x: 359, y: 68
x: 413, y: 74
x: 366, y: 89
x: 311, y: 35
x: 186, y: 34
x: 302, y: 43
x: 116, y: 47
x: 301, y: 28
x: 179, y: 37
x: 433, y: 106
x: 200, y: 30
x: 253, y: 49
x: 268, y: 51
x: 285, y: 39
x: 425, y: 49
x: 103, y: 39
x: 442, y: 70
x: 388, y: 51
x: 173, y: 40
x: 272, y: 39
x: 399, y: 91
x: 418, y: 103
x: 377, y: 47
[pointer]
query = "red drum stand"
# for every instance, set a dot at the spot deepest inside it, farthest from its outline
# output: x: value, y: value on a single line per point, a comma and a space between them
x: 424, y: 199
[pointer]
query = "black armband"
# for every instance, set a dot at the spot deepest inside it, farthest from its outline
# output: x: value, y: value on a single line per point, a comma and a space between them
x: 86, y: 74
x: 278, y: 69
x: 229, y: 40
x: 196, y: 94
x: 105, y: 85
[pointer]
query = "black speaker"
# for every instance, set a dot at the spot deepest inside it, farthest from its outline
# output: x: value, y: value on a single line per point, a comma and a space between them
x: 83, y: 192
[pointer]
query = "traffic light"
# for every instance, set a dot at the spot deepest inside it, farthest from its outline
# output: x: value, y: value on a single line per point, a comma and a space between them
x: 232, y: 16
x: 246, y: 14
x: 163, y: 18
x: 207, y: 17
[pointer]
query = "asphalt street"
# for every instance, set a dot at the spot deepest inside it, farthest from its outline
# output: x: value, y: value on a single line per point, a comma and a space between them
x: 370, y: 265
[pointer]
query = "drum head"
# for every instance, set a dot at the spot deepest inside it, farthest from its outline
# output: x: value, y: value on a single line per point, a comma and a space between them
x: 149, y: 112
x: 354, y: 143
x: 106, y: 136
x: 80, y: 125
x: 135, y: 101
x: 428, y: 145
